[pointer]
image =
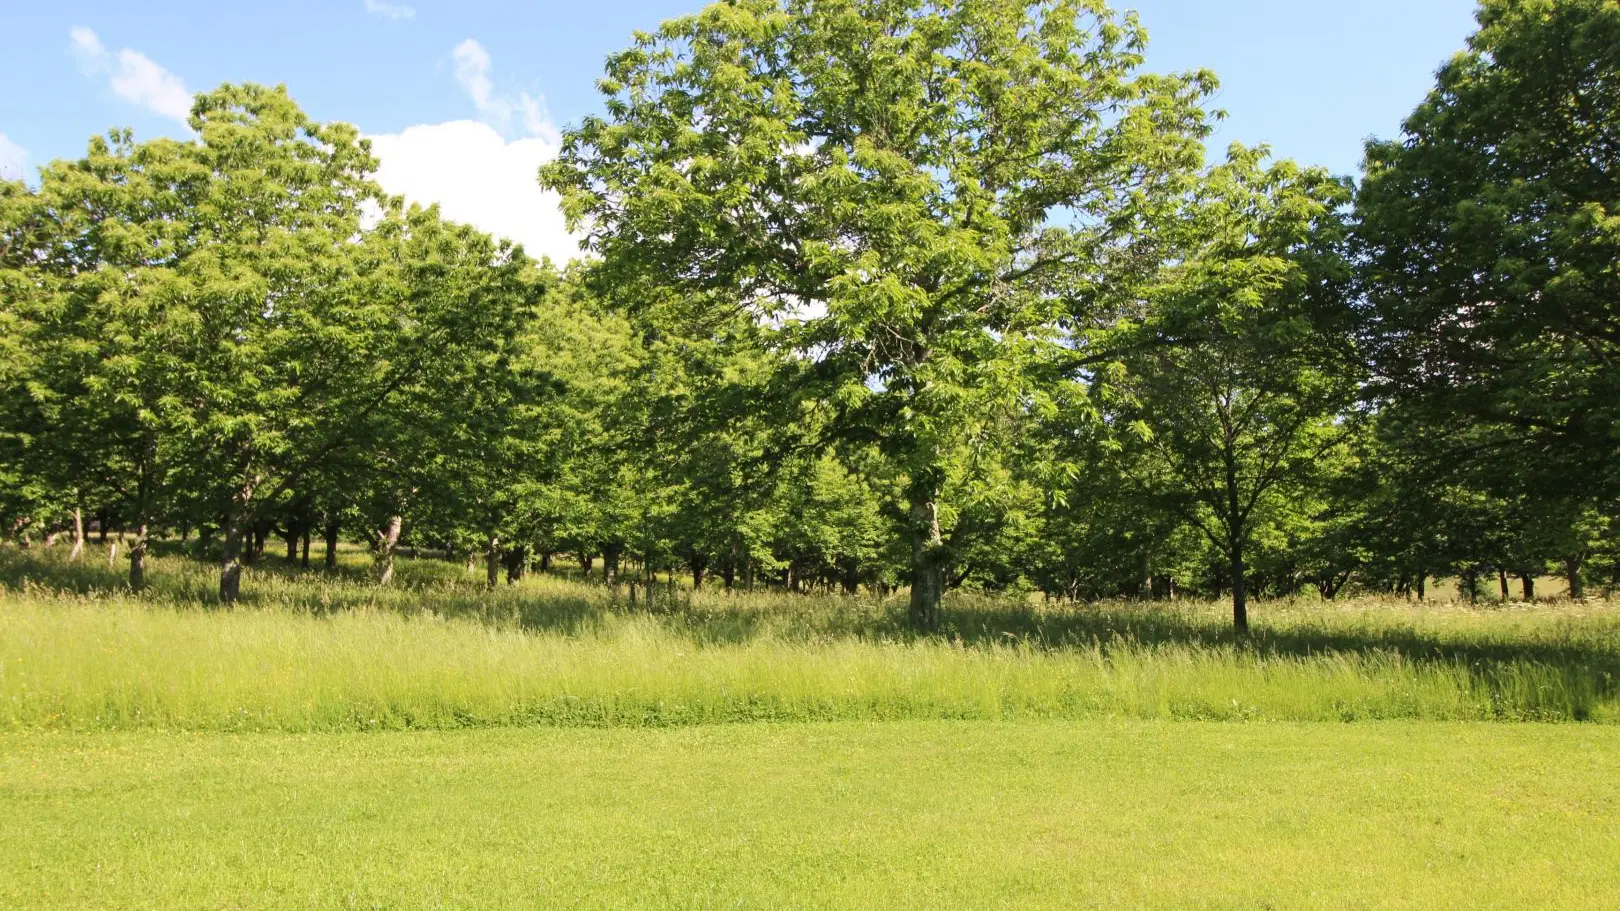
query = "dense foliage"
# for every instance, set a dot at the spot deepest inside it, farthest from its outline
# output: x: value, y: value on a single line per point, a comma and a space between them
x: 882, y: 294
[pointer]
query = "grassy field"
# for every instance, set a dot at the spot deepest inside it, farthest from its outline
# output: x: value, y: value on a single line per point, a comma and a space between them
x: 332, y: 744
x: 1099, y: 814
x: 329, y: 654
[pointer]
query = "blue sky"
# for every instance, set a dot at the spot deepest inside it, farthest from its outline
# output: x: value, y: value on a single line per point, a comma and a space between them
x: 465, y: 98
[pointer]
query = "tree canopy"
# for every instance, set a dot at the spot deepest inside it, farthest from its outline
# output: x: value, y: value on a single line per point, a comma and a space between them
x: 884, y: 297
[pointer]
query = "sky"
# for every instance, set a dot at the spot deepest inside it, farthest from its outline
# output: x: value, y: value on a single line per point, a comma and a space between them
x: 463, y: 100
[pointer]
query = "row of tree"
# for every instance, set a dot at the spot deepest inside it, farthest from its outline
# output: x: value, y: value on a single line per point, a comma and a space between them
x: 910, y: 294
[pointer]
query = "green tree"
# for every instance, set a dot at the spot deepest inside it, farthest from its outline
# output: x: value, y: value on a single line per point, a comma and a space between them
x: 917, y: 192
x: 1233, y: 420
x: 1490, y: 233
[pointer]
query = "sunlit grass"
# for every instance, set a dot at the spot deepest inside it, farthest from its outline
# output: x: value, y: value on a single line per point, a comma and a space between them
x: 309, y: 652
x: 1100, y: 814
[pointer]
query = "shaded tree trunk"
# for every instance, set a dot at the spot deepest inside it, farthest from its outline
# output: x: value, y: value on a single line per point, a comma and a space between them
x: 1240, y: 590
x: 1422, y: 585
x: 492, y: 561
x: 303, y: 558
x: 230, y: 558
x: 332, y: 529
x: 545, y: 561
x: 927, y: 563
x: 1161, y: 587
x: 585, y: 561
x: 516, y: 560
x: 1236, y: 536
x: 611, y: 551
x: 849, y: 578
x: 1572, y: 572
x: 1527, y: 584
x: 1502, y: 583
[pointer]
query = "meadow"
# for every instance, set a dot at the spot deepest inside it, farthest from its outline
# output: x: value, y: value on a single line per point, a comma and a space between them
x: 313, y: 652
x: 327, y: 743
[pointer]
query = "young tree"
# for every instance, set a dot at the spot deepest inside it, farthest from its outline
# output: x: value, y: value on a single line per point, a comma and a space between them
x: 1233, y: 421
x: 908, y: 179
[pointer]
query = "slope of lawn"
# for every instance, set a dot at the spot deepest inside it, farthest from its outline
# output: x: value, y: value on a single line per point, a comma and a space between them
x: 1098, y: 814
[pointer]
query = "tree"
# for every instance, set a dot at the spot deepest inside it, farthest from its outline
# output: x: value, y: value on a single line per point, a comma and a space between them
x: 916, y: 194
x: 110, y: 326
x: 1490, y: 237
x: 1232, y: 420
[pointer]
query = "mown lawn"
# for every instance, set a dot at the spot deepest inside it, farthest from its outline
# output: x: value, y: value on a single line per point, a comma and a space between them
x: 917, y: 814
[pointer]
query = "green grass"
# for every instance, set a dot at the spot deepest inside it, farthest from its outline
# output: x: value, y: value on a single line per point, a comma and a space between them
x: 332, y: 744
x: 312, y: 653
x: 1099, y: 814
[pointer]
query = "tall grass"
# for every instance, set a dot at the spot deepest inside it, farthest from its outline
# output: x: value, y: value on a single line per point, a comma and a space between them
x: 311, y: 652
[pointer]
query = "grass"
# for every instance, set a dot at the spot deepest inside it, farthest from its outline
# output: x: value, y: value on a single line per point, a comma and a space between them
x: 316, y: 653
x: 930, y: 814
x: 332, y: 744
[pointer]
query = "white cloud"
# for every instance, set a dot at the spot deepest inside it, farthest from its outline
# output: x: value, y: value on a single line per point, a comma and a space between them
x: 478, y: 177
x: 473, y: 67
x: 474, y: 172
x: 13, y: 159
x: 131, y: 75
x: 394, y: 11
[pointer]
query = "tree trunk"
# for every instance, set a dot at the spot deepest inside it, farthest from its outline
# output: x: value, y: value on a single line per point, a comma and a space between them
x: 230, y: 559
x: 927, y: 564
x: 387, y: 540
x: 1501, y: 581
x: 545, y: 561
x: 1527, y: 584
x: 1240, y: 590
x: 332, y: 529
x: 292, y: 543
x: 1236, y: 538
x: 303, y: 558
x: 77, y: 553
x: 585, y: 560
x: 1422, y: 585
x: 1572, y: 572
x: 102, y: 521
x: 137, y: 558
x: 492, y: 561
x: 516, y: 560
x: 610, y: 561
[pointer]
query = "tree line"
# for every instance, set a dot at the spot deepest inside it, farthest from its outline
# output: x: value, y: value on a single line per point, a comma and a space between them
x: 878, y: 295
